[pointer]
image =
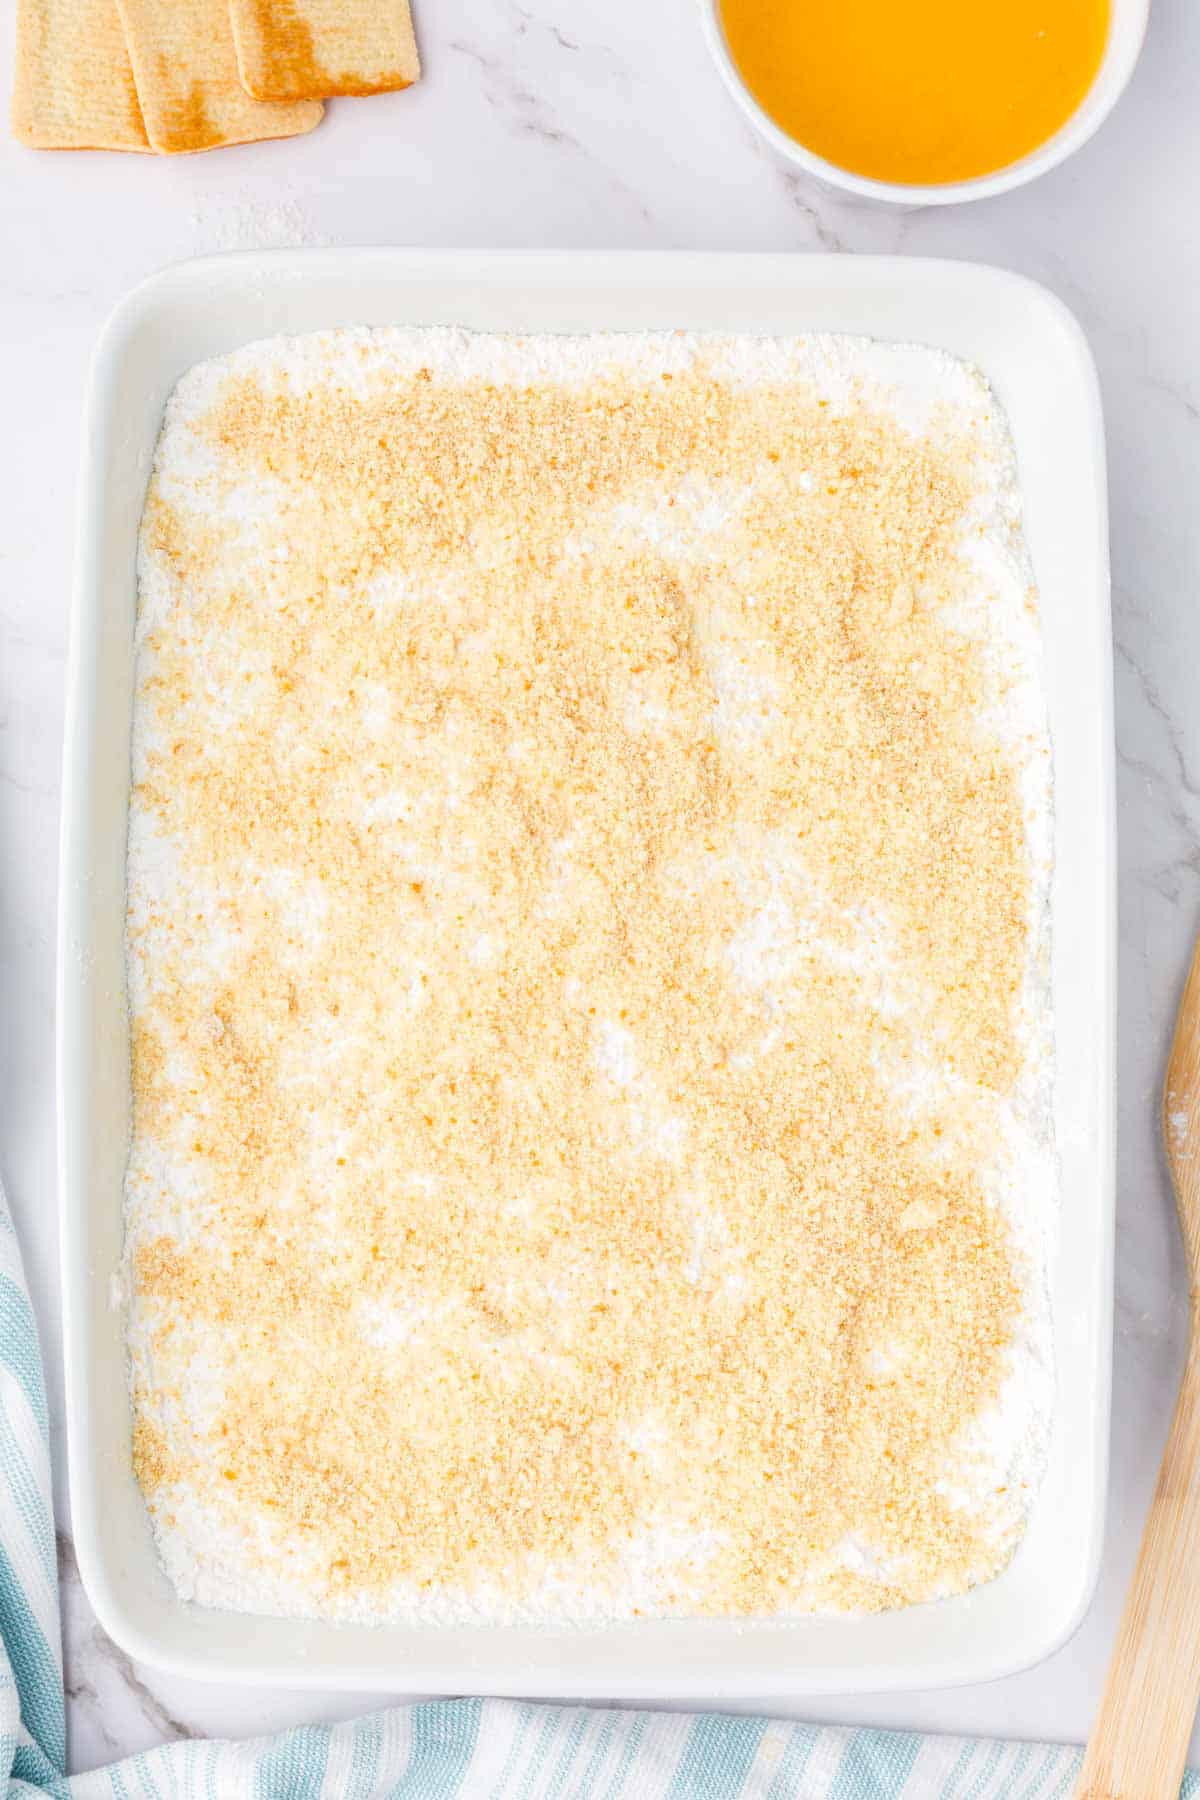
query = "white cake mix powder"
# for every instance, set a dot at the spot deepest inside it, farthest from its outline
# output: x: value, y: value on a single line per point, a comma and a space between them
x: 187, y: 931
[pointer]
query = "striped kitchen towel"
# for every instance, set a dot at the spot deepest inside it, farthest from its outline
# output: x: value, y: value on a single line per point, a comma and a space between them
x: 494, y: 1748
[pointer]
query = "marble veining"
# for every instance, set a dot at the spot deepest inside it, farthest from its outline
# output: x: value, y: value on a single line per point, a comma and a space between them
x: 575, y: 123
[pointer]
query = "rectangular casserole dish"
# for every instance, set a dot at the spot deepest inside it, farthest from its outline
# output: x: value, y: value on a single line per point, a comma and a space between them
x: 1034, y: 354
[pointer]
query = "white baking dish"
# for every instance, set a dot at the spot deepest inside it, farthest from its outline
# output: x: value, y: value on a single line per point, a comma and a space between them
x: 1035, y: 355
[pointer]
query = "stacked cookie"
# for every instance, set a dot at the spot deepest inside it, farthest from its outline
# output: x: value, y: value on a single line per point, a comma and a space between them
x: 170, y: 76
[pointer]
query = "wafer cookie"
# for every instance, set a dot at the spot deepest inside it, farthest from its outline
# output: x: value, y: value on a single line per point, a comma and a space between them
x: 73, y: 86
x: 308, y: 49
x: 186, y: 71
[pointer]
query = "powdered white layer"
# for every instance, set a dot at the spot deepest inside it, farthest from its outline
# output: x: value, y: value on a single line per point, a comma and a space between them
x: 924, y: 390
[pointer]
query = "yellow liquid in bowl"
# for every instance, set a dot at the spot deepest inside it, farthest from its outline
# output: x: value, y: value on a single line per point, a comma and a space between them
x: 918, y: 90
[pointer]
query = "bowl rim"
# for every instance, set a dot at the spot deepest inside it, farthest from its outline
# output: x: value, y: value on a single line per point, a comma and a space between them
x: 1128, y: 20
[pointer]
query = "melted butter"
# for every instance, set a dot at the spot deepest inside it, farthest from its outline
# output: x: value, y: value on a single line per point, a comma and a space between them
x: 925, y: 91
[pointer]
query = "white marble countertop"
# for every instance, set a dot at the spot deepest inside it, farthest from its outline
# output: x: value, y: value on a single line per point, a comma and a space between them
x: 587, y: 123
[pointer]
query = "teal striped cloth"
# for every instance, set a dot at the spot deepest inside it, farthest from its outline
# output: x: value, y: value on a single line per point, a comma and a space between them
x: 498, y: 1749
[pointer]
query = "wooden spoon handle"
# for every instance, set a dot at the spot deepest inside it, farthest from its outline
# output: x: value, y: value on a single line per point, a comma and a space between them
x: 1139, y: 1741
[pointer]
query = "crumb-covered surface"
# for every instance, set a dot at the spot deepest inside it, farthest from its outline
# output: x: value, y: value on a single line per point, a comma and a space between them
x: 588, y: 953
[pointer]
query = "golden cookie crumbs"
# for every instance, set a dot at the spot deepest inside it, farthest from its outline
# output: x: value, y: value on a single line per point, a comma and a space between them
x: 578, y: 927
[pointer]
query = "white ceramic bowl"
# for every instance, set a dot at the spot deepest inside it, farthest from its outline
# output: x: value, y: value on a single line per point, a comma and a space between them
x: 1034, y: 353
x: 1127, y: 28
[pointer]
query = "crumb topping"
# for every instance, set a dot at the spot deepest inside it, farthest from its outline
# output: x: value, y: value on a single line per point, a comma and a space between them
x: 597, y: 926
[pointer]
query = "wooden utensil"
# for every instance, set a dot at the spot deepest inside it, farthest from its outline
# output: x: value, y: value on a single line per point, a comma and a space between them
x: 1139, y: 1740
